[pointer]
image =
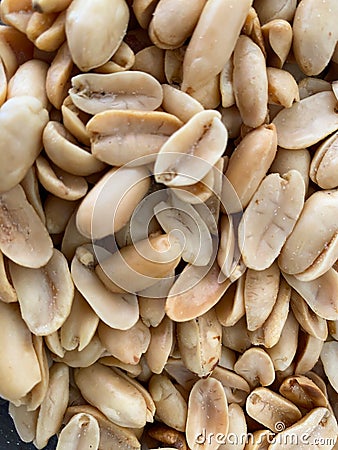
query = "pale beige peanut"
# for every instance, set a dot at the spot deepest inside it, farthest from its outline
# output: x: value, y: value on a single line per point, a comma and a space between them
x: 313, y: 324
x: 277, y: 36
x: 8, y: 58
x: 256, y: 367
x: 226, y: 87
x: 22, y: 119
x: 312, y: 85
x: 140, y: 265
x: 24, y: 421
x: 30, y: 79
x: 143, y: 10
x: 48, y: 6
x: 319, y: 425
x: 270, y: 218
x: 95, y: 92
x: 112, y: 17
x: 237, y: 337
x: 85, y: 357
x: 58, y: 76
x: 303, y: 392
x: 31, y: 187
x: 183, y: 376
x: 314, y: 50
x: 164, y: 435
x: 35, y: 397
x: 198, y: 193
x: 250, y: 82
x: 47, y: 304
x: 283, y: 352
x: 237, y: 427
x: 260, y: 440
x: 209, y: 48
x: 74, y: 121
x: 151, y: 60
x: 189, y: 154
x: 230, y: 309
x: 19, y: 44
x: 173, y: 65
x: 328, y: 359
x: 146, y: 395
x: 16, y: 14
x: 121, y: 137
x: 160, y: 345
x: 110, y: 433
x: 7, y: 292
x: 298, y: 126
x: 228, y: 255
x: 250, y: 161
x: 17, y: 355
x: 207, y: 410
x: 116, y: 310
x: 53, y: 406
x: 269, y: 408
x: 62, y: 184
x: 199, y: 342
x: 58, y: 212
x: 126, y: 345
x: 51, y: 38
x: 175, y: 216
x: 120, y: 401
x: 209, y: 94
x: 133, y: 370
x: 195, y: 292
x: 282, y: 87
x: 303, y: 249
x: 82, y: 432
x: 23, y: 237
x: 252, y: 29
x: 80, y: 326
x: 72, y: 238
x: 122, y: 59
x: 164, y: 29
x: 276, y: 9
x: 262, y: 285
x: 323, y: 170
x: 308, y: 353
x: 62, y: 149
x: 179, y: 103
x: 171, y: 407
x: 287, y: 160
x: 151, y: 311
x: 53, y: 343
x: 235, y: 387
x: 270, y: 332
x: 38, y: 24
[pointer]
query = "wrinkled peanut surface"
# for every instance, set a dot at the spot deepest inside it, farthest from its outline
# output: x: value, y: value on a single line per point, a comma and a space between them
x: 169, y: 223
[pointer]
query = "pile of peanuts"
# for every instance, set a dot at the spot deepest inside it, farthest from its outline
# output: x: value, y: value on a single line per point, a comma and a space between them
x: 169, y: 223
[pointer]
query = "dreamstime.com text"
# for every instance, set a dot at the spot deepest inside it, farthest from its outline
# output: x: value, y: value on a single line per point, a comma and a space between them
x: 249, y: 438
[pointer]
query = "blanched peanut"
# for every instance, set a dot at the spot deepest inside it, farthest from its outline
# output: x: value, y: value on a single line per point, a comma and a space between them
x: 297, y: 127
x: 168, y: 33
x: 249, y: 163
x: 17, y: 355
x: 22, y: 120
x: 48, y: 6
x: 275, y: 9
x: 121, y: 137
x: 250, y: 82
x: 95, y: 92
x: 278, y: 41
x: 323, y: 170
x: 116, y: 397
x: 270, y: 218
x: 209, y: 48
x: 111, y: 16
x: 313, y: 50
x: 82, y: 430
x: 189, y: 154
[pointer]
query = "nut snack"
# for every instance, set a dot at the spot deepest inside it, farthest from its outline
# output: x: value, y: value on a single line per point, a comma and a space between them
x: 169, y: 223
